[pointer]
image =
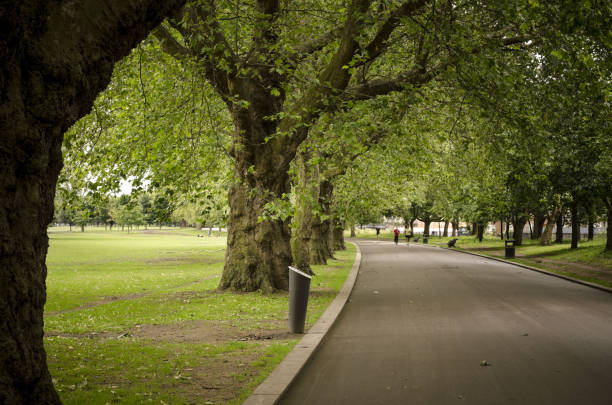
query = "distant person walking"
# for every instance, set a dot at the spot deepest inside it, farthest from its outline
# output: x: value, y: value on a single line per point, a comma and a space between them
x: 377, y: 233
x: 396, y: 233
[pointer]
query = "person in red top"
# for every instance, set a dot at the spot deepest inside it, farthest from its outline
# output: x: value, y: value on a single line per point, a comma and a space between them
x: 396, y: 233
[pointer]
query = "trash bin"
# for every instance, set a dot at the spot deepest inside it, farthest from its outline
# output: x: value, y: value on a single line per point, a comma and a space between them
x: 509, y: 249
x: 425, y: 239
x: 299, y: 286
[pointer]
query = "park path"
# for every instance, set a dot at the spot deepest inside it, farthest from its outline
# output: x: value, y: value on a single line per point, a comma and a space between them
x: 421, y: 321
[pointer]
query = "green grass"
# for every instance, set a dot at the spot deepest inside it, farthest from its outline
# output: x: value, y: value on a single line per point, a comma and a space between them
x: 115, y: 283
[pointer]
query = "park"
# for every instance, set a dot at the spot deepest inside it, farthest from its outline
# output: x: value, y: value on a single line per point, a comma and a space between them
x: 440, y: 172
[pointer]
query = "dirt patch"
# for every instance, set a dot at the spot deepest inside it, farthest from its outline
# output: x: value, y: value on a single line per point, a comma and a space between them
x: 187, y: 332
x: 217, y: 381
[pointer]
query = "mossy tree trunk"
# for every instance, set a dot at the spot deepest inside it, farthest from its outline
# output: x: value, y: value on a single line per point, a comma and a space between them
x: 306, y: 194
x: 55, y: 58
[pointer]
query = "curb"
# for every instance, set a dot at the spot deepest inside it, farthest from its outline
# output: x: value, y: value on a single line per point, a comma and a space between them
x: 549, y: 273
x: 271, y: 389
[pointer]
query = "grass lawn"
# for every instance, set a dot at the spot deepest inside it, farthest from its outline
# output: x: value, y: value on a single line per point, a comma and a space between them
x: 136, y: 318
x: 588, y: 262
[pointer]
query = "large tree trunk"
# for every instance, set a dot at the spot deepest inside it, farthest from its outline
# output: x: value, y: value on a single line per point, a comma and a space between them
x: 55, y: 57
x: 519, y: 224
x: 575, y: 225
x: 474, y: 228
x: 445, y: 234
x: 258, y: 252
x: 353, y: 233
x: 455, y: 225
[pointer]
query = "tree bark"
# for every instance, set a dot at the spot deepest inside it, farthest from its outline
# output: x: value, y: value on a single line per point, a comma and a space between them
x: 339, y: 235
x: 427, y: 223
x: 559, y: 225
x: 474, y: 228
x: 550, y: 223
x: 591, y: 228
x: 445, y: 234
x: 480, y: 233
x: 455, y: 225
x: 353, y: 234
x: 302, y: 220
x: 538, y: 224
x: 575, y: 225
x: 518, y: 224
x: 55, y: 57
x: 608, y: 201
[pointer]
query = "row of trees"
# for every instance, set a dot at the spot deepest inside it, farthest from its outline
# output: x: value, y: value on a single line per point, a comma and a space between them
x: 308, y: 116
x: 143, y: 209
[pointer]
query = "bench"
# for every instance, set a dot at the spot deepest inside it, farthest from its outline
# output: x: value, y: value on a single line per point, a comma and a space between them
x: 451, y: 243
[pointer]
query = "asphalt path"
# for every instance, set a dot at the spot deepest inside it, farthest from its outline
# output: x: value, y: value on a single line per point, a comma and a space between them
x: 421, y: 321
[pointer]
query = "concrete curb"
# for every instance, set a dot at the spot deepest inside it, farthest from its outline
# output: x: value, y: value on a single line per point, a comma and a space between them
x: 549, y: 273
x: 271, y: 389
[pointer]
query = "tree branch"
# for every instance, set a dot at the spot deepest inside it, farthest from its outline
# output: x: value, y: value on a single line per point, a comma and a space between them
x: 169, y: 44
x: 379, y: 43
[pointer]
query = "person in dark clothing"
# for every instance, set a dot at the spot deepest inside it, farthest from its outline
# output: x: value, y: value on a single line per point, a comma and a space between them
x: 377, y: 233
x: 396, y: 233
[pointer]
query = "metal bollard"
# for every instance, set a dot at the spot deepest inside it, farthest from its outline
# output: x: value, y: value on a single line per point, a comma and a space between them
x: 509, y: 249
x: 299, y: 287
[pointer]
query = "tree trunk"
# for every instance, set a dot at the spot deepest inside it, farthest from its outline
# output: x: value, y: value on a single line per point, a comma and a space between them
x: 507, y: 229
x: 353, y: 234
x: 303, y: 217
x: 538, y: 224
x: 559, y: 224
x: 530, y: 229
x: 501, y: 229
x: 518, y: 224
x: 550, y: 223
x: 55, y: 58
x: 445, y: 229
x: 427, y: 223
x: 481, y: 229
x: 455, y: 225
x: 474, y: 228
x: 339, y: 235
x: 575, y: 225
x: 608, y: 201
x: 318, y: 245
x: 591, y: 228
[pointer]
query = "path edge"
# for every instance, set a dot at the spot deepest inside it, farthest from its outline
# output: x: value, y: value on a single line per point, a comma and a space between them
x: 275, y: 385
x: 525, y: 266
